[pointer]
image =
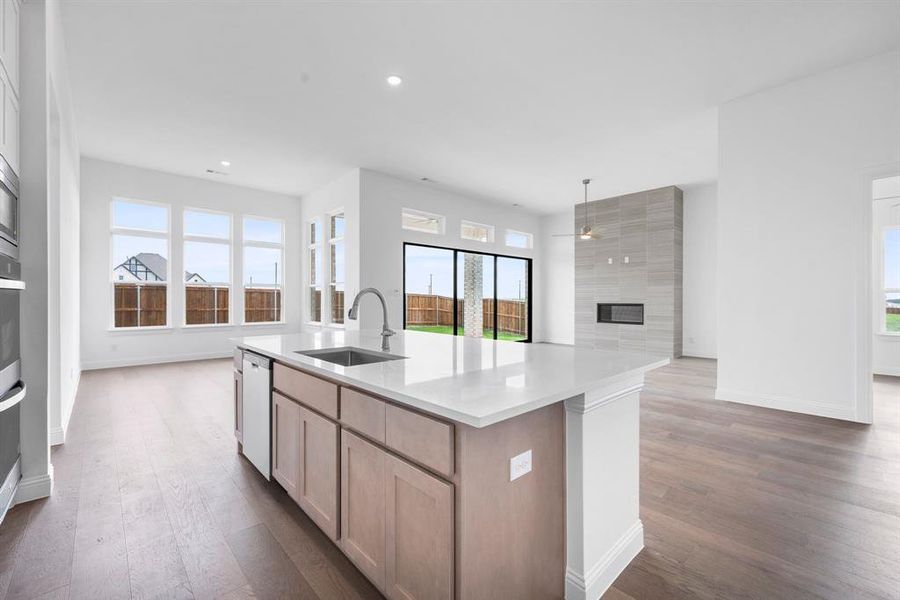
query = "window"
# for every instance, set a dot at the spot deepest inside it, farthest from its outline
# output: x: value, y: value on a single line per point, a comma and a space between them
x: 466, y: 293
x: 519, y: 239
x: 337, y: 270
x: 314, y: 272
x: 476, y: 232
x: 207, y: 267
x: 886, y: 221
x: 416, y: 220
x: 139, y: 242
x: 891, y: 280
x: 263, y: 269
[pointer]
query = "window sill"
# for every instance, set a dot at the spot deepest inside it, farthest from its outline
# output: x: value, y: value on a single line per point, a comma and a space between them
x: 891, y: 335
x: 208, y: 326
x: 159, y: 329
x: 263, y: 323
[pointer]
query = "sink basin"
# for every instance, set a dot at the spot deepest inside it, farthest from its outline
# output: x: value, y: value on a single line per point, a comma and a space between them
x: 349, y: 356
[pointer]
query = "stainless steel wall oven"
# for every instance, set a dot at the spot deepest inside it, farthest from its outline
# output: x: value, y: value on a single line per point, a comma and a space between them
x: 12, y: 389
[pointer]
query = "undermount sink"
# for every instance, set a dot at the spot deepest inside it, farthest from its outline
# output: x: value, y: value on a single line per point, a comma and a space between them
x: 349, y: 356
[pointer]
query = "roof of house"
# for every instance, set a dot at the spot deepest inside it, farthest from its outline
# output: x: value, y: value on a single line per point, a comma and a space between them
x: 153, y: 261
x: 158, y: 265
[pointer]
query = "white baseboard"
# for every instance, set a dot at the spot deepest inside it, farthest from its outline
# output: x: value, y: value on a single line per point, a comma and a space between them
x: 602, y: 575
x: 807, y: 407
x: 887, y: 370
x: 57, y: 436
x: 152, y: 360
x: 32, y: 488
x: 696, y: 352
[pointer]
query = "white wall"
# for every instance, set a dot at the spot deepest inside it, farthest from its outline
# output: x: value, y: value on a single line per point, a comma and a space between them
x: 557, y: 266
x: 699, y: 291
x: 381, y: 237
x: 48, y: 233
x: 885, y: 348
x: 340, y: 194
x: 793, y: 216
x: 102, y: 181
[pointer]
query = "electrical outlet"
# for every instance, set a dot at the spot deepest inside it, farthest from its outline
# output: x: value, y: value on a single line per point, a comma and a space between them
x: 519, y: 465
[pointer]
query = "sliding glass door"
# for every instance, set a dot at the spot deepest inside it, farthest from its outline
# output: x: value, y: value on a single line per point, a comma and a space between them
x: 461, y: 292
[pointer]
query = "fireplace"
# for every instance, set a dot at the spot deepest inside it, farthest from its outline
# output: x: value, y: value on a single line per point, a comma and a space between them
x: 625, y: 314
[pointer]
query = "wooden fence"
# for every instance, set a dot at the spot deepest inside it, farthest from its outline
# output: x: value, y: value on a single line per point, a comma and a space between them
x: 205, y: 305
x: 144, y: 305
x: 140, y: 305
x: 427, y: 310
x: 262, y: 305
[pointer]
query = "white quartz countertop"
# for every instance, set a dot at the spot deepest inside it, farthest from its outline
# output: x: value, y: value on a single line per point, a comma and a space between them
x: 468, y: 380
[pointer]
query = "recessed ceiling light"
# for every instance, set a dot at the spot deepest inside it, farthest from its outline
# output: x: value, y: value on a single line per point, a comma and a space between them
x: 225, y: 163
x: 394, y: 80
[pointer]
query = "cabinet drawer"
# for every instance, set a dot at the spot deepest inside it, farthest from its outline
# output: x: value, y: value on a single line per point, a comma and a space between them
x: 423, y: 439
x: 315, y: 393
x: 363, y: 413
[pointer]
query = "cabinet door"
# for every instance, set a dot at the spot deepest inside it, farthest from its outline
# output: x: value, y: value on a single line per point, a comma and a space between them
x: 362, y: 505
x: 238, y: 406
x: 286, y: 443
x: 317, y: 492
x: 9, y: 48
x: 419, y: 533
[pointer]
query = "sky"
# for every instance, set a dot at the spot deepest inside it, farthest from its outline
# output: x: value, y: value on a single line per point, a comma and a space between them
x: 422, y: 262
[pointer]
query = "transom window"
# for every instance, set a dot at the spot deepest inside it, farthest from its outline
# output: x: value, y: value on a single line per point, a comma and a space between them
x: 519, y: 239
x: 423, y: 222
x: 477, y: 232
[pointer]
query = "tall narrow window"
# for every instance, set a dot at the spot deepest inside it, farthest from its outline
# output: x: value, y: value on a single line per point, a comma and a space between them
x: 139, y: 263
x: 891, y: 264
x: 263, y: 269
x: 336, y: 283
x: 314, y: 272
x: 207, y: 267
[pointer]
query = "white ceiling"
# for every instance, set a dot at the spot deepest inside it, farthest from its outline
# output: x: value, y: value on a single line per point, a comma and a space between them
x: 515, y: 102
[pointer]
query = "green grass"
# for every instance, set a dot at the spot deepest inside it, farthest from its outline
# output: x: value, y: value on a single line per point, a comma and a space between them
x: 448, y: 330
x: 892, y: 323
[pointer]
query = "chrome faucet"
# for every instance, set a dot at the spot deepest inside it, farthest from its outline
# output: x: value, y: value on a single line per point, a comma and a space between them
x: 386, y: 332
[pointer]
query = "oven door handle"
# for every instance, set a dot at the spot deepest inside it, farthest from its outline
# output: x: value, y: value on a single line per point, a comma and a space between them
x: 13, y: 397
x: 11, y: 284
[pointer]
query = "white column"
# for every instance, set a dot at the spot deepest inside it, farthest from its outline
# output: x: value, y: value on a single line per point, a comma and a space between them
x: 603, y: 526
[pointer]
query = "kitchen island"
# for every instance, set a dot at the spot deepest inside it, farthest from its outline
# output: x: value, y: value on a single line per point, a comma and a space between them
x: 460, y: 467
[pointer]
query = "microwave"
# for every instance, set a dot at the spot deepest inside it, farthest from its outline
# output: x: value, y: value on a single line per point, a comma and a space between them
x: 9, y: 211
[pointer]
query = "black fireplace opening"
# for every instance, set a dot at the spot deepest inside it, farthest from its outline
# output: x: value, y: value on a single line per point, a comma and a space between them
x: 626, y: 314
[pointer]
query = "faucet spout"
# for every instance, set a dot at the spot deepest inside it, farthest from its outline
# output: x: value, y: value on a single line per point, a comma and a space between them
x: 386, y: 331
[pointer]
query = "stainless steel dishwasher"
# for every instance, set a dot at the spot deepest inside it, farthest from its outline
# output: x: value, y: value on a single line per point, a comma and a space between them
x: 257, y: 416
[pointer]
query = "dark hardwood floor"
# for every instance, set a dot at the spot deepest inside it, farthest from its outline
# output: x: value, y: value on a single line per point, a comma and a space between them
x: 151, y: 501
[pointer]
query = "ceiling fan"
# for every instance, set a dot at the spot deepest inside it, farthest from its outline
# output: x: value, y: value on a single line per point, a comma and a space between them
x: 586, y: 232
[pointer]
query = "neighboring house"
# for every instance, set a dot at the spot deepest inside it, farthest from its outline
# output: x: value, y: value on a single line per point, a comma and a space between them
x: 149, y: 266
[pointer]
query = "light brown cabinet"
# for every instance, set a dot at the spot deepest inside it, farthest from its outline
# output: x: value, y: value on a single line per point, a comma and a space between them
x: 362, y: 505
x: 418, y: 533
x: 239, y: 406
x: 286, y: 444
x: 317, y: 484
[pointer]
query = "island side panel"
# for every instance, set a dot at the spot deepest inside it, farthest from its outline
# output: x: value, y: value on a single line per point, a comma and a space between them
x: 603, y: 486
x: 510, y: 535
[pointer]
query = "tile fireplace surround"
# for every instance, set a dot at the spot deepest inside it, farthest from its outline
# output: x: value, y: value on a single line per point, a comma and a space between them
x: 638, y: 260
